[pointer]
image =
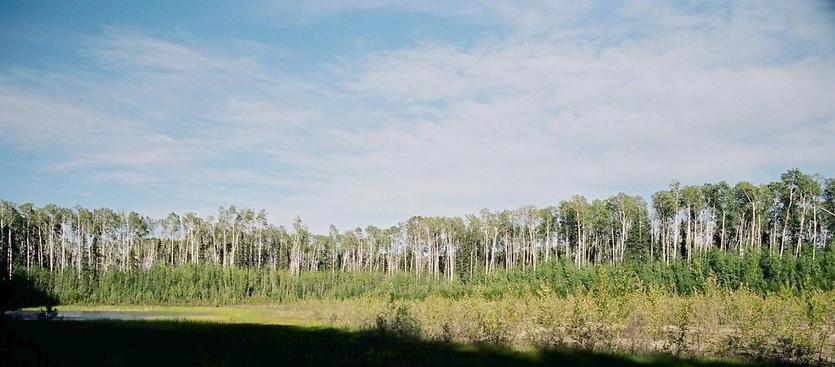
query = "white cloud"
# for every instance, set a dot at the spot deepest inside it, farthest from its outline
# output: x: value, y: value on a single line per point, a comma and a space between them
x: 564, y: 103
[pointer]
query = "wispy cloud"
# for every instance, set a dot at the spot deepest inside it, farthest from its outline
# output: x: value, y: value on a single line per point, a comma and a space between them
x: 581, y: 99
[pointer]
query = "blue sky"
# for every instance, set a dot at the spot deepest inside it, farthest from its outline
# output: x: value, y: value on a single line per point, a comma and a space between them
x: 368, y: 112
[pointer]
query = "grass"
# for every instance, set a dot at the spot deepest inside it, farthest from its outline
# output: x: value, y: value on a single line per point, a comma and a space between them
x: 656, y: 327
x: 296, y: 314
x: 146, y: 343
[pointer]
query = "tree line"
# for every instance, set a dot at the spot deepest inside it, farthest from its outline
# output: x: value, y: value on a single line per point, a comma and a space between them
x: 792, y: 216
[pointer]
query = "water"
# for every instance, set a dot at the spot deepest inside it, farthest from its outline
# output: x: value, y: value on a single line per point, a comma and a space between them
x: 100, y: 315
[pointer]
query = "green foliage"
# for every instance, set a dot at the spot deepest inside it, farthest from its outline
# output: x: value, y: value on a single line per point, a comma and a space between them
x: 215, y: 285
x: 716, y: 322
x: 399, y: 322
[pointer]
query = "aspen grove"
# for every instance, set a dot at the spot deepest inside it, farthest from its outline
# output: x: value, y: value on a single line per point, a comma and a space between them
x: 790, y: 217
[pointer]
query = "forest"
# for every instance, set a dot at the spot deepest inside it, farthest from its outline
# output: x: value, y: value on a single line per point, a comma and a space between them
x: 791, y: 217
x: 712, y: 271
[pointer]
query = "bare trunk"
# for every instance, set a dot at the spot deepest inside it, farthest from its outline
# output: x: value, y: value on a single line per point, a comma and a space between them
x: 799, y: 246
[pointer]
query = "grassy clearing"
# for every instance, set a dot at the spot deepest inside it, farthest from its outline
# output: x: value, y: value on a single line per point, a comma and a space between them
x: 298, y: 314
x: 716, y: 324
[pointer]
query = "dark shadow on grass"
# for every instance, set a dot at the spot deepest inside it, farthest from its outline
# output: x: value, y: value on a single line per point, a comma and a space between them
x: 15, y: 293
x: 156, y: 343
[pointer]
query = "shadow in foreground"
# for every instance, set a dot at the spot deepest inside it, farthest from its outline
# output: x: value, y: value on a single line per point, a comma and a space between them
x: 19, y: 292
x: 152, y: 343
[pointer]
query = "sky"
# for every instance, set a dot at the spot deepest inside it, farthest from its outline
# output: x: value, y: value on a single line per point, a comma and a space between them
x: 369, y: 112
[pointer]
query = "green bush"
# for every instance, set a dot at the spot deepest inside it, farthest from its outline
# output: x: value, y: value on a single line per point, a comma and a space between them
x: 210, y: 284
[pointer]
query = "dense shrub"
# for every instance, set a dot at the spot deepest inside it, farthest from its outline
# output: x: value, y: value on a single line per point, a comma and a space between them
x: 784, y: 325
x: 209, y: 284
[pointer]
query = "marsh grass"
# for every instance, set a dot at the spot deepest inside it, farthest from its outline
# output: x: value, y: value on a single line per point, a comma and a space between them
x: 714, y: 324
x: 717, y: 324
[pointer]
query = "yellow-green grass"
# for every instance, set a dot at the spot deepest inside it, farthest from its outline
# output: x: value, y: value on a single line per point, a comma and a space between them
x: 297, y: 314
x: 716, y: 324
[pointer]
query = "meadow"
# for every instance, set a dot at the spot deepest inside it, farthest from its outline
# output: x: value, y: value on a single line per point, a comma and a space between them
x: 715, y: 325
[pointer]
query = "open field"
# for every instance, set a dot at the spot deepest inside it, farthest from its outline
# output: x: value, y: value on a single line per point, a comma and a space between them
x: 303, y: 314
x: 717, y: 325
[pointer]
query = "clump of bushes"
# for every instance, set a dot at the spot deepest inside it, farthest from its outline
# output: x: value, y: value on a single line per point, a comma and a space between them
x: 716, y: 323
x: 398, y: 322
x: 47, y: 313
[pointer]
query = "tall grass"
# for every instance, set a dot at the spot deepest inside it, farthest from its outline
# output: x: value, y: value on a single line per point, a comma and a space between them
x: 717, y: 322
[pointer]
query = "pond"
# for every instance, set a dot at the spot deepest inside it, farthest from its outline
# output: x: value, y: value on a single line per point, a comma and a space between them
x: 102, y: 315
